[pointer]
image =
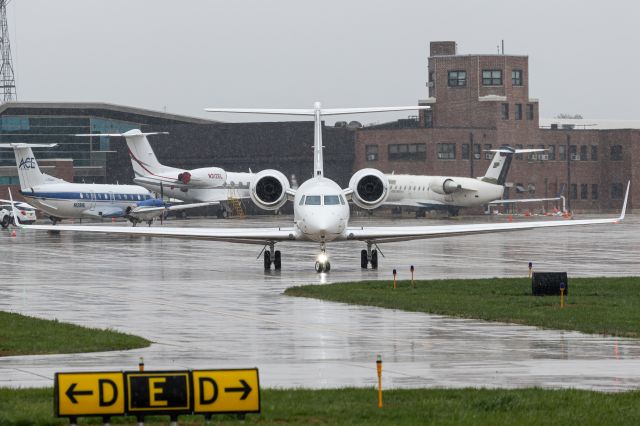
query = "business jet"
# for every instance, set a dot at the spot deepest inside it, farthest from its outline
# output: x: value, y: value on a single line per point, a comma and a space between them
x: 321, y: 212
x: 203, y: 185
x: 64, y: 200
x: 452, y: 193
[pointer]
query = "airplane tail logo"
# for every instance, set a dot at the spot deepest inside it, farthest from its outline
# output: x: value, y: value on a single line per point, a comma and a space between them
x: 28, y: 170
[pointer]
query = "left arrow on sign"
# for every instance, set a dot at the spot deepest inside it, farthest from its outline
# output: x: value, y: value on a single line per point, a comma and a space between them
x: 246, y: 389
x: 72, y: 392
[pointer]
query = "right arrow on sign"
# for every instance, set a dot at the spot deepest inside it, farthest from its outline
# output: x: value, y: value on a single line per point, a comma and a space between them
x: 246, y: 389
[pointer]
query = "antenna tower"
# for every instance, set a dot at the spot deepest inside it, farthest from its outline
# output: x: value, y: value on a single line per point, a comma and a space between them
x: 7, y: 80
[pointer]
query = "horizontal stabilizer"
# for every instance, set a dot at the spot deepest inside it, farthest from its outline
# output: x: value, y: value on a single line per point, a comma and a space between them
x: 28, y: 145
x: 133, y: 132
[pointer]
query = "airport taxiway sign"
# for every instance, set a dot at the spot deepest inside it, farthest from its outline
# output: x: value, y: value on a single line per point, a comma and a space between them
x: 89, y: 394
x: 226, y: 391
x: 158, y: 392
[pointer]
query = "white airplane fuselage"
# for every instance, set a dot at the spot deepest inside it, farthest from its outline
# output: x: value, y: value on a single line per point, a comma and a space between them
x: 79, y: 200
x: 417, y: 188
x: 320, y: 210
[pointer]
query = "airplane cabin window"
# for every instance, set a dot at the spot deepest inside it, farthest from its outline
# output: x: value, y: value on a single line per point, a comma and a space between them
x: 312, y: 200
x: 302, y: 200
x: 331, y: 200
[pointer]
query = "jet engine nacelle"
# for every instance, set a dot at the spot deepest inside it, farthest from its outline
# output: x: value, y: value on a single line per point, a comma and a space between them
x: 444, y: 186
x: 269, y: 189
x: 206, y: 177
x: 370, y: 188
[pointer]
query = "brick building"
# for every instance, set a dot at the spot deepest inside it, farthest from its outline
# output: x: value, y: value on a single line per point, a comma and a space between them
x: 480, y: 102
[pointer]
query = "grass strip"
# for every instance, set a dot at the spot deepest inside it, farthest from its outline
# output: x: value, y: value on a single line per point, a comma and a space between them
x: 24, y: 335
x: 609, y: 306
x: 359, y: 407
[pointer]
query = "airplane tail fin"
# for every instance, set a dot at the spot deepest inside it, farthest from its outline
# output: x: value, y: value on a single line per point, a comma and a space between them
x: 143, y: 159
x: 501, y: 162
x: 28, y: 170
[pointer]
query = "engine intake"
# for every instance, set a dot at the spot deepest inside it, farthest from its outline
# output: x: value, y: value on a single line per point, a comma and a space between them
x: 370, y: 188
x: 269, y: 189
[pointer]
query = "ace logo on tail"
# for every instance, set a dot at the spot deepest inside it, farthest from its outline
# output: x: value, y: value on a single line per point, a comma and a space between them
x: 27, y: 163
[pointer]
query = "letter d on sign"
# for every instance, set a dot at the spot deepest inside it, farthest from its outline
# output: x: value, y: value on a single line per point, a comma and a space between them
x: 103, y: 401
x: 203, y: 390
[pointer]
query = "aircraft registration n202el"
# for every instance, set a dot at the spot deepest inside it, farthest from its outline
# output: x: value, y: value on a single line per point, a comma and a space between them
x: 321, y: 212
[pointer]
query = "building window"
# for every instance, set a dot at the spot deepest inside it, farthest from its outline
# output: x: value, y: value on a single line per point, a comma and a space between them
x: 457, y: 78
x: 529, y: 111
x: 583, y: 152
x: 617, y: 191
x: 594, y: 152
x: 519, y: 156
x: 428, y: 118
x: 551, y: 152
x: 516, y: 77
x: 505, y: 111
x: 372, y: 152
x: 562, y: 153
x: 491, y: 77
x: 584, y: 191
x: 573, y: 191
x: 404, y: 151
x: 518, y: 113
x: 476, y: 151
x: 594, y: 191
x: 446, y: 151
x: 573, y: 152
x: 519, y: 188
x: 488, y: 155
x: 532, y: 188
x: 465, y: 151
x: 616, y: 153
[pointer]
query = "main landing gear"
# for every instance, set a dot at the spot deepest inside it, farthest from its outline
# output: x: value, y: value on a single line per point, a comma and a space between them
x: 369, y: 256
x: 272, y: 256
x: 322, y: 262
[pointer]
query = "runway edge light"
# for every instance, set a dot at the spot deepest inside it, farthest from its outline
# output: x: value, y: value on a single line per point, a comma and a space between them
x: 395, y: 273
x: 379, y: 369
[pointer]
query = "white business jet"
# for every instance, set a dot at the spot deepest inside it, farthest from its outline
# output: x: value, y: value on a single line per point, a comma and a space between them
x: 64, y: 200
x: 321, y: 212
x: 452, y: 193
x: 203, y: 185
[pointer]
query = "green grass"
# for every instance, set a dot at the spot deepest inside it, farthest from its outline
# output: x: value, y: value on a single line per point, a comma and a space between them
x: 23, y: 335
x: 609, y: 306
x: 359, y: 407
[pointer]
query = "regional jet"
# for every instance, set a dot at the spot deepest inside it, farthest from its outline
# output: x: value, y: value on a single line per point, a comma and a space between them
x: 64, y: 200
x: 452, y: 193
x: 321, y: 212
x: 203, y: 185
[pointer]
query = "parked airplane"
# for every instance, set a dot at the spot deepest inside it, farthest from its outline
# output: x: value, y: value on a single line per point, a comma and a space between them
x: 203, y: 185
x: 64, y: 200
x: 452, y: 193
x: 321, y: 212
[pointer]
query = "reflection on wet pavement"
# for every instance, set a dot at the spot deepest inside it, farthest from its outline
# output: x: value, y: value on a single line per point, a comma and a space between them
x: 211, y: 305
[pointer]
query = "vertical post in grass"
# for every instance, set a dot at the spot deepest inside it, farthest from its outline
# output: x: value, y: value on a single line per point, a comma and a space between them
x: 562, y: 287
x: 141, y: 364
x: 379, y: 368
x: 530, y: 268
x: 394, y: 279
x: 413, y: 283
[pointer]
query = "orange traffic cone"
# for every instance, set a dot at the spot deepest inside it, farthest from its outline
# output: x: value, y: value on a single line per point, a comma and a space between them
x: 13, y: 233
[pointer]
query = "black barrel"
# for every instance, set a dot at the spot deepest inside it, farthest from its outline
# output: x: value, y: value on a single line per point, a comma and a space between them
x: 549, y: 283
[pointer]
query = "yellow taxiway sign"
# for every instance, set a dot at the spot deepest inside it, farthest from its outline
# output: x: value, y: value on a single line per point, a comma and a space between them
x: 226, y: 391
x: 89, y: 394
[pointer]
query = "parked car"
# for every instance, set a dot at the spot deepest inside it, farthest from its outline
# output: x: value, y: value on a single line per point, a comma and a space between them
x: 26, y: 214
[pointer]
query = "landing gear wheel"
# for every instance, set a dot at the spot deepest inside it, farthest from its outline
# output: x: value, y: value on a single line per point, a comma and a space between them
x: 319, y: 266
x: 374, y: 259
x: 5, y: 222
x: 267, y: 261
x: 363, y: 259
x: 149, y: 222
x: 224, y: 214
x: 277, y: 260
x: 327, y: 266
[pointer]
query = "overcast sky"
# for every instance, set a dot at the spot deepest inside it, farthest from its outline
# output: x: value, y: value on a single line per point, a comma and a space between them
x: 188, y: 55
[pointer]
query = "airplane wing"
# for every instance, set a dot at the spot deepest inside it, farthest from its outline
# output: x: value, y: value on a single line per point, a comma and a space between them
x: 524, y: 200
x: 106, y: 212
x: 148, y: 209
x: 415, y: 203
x: 234, y: 235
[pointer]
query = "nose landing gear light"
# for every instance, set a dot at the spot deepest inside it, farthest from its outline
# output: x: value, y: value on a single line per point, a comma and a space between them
x: 322, y: 263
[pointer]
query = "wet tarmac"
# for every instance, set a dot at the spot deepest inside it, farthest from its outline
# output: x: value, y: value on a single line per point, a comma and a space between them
x: 211, y: 305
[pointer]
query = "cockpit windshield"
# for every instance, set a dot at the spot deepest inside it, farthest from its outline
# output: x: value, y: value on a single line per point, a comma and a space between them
x: 312, y: 200
x: 331, y: 200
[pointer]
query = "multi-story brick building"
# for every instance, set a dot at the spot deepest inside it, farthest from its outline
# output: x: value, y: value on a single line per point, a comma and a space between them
x: 479, y: 102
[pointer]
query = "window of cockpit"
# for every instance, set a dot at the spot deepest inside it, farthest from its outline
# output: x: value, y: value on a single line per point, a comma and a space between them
x: 331, y: 200
x: 301, y: 200
x: 312, y: 200
x: 342, y: 200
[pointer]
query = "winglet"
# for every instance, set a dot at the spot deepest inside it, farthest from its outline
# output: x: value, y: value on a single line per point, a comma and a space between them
x: 624, y: 205
x: 16, y: 222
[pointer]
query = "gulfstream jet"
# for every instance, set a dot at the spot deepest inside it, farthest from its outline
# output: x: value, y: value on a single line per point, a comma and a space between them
x: 452, y: 193
x: 321, y: 212
x: 64, y: 200
x: 207, y: 184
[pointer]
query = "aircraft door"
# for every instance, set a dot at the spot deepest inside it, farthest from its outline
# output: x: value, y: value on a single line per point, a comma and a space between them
x: 92, y: 202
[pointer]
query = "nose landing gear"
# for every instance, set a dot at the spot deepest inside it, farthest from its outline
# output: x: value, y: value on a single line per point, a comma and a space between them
x: 369, y: 256
x: 272, y: 256
x: 322, y: 262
